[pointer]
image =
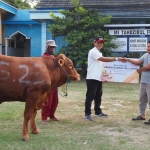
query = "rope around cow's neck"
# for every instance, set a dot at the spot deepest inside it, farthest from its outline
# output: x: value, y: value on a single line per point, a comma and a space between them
x: 67, y: 81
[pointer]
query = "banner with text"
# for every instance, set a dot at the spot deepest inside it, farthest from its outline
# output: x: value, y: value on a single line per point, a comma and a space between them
x: 122, y: 44
x: 130, y: 32
x: 120, y: 72
x: 137, y: 44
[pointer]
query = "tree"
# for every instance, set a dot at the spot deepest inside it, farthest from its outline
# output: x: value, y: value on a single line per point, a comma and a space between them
x: 80, y: 26
x: 18, y: 3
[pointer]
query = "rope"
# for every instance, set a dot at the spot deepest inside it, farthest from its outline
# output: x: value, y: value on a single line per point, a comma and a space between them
x: 64, y: 90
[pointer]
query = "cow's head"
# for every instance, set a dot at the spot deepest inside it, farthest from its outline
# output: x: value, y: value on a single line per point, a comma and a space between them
x: 67, y: 67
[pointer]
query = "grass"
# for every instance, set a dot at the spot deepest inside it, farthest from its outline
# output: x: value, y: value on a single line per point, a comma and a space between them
x: 72, y: 132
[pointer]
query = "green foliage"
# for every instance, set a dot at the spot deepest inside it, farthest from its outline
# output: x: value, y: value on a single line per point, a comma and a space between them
x: 79, y: 27
x: 133, y: 55
x: 18, y: 3
x: 75, y: 2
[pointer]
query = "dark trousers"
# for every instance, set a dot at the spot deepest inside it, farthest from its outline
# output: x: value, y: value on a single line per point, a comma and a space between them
x: 94, y: 92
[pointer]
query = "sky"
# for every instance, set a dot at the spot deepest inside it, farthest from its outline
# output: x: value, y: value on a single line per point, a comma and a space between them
x: 32, y: 4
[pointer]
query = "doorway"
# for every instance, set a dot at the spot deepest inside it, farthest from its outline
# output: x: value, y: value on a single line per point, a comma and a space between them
x: 17, y: 45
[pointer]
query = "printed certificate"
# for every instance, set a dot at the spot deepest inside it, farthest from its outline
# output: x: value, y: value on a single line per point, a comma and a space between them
x: 117, y: 71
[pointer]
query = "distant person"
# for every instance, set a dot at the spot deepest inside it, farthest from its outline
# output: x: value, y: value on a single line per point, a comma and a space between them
x: 93, y: 78
x: 145, y: 83
x: 49, y: 109
x: 148, y: 105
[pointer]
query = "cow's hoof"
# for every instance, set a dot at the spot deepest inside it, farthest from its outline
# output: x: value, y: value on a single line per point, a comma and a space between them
x: 25, y: 138
x: 35, y: 132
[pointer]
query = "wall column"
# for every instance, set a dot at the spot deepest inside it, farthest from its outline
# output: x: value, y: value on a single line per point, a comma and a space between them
x: 6, y: 45
x: 43, y: 38
x: 0, y: 33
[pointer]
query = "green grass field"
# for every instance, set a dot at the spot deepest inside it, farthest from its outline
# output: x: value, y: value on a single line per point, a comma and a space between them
x: 73, y: 132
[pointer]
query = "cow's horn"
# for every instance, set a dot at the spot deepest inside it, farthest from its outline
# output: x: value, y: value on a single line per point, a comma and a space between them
x: 61, y: 62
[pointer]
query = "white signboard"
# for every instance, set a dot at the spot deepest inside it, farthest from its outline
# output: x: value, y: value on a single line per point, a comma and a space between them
x: 130, y: 32
x: 122, y: 44
x: 137, y: 44
x: 117, y: 71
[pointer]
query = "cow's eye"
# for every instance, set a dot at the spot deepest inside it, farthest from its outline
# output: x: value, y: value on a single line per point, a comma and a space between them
x: 70, y: 66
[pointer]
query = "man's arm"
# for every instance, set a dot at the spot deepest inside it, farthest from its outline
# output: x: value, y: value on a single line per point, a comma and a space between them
x: 133, y: 61
x: 145, y: 68
x: 110, y: 59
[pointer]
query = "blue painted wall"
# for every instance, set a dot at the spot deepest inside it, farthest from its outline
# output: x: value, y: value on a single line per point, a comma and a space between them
x: 21, y: 22
x: 21, y: 16
x: 31, y: 31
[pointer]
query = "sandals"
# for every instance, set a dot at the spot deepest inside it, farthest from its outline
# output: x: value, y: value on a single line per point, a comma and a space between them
x: 44, y: 122
x: 147, y: 122
x: 138, y: 118
x: 141, y: 118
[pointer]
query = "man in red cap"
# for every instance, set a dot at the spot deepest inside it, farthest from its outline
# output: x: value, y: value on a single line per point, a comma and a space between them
x: 93, y: 78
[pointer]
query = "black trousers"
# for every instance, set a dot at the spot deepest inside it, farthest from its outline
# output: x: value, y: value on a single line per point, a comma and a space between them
x: 94, y: 92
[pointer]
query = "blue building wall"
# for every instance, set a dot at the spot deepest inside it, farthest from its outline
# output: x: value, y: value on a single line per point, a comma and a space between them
x: 21, y: 17
x: 31, y: 31
x: 37, y: 31
x: 60, y: 42
x: 21, y: 22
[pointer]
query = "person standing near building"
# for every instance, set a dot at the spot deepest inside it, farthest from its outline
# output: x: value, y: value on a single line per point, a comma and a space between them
x: 93, y: 78
x: 145, y: 83
x: 148, y: 105
x: 49, y: 109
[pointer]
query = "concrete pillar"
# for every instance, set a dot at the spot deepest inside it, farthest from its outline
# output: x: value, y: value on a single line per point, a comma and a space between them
x: 6, y: 45
x: 43, y: 36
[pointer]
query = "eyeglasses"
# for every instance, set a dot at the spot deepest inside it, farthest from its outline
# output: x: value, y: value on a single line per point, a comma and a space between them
x: 52, y: 46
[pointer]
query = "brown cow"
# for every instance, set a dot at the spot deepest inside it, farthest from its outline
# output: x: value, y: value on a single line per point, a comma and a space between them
x: 29, y: 79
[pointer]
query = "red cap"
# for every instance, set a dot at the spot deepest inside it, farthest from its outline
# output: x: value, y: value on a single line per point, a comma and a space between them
x: 99, y: 39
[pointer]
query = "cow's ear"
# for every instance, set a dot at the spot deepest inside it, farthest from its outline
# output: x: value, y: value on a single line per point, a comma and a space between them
x: 61, y: 62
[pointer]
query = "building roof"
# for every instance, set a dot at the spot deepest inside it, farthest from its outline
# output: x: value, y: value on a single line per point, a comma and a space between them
x: 4, y: 7
x: 115, y: 8
x: 55, y: 4
x: 94, y: 3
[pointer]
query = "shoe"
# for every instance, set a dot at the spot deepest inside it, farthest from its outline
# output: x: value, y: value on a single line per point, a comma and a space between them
x: 138, y: 118
x: 88, y: 117
x: 147, y: 122
x: 101, y: 115
x: 44, y: 122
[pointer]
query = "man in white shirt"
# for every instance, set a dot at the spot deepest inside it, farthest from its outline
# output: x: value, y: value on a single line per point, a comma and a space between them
x: 93, y: 78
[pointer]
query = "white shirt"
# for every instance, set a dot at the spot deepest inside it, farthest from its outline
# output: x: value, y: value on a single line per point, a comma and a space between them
x: 94, y: 70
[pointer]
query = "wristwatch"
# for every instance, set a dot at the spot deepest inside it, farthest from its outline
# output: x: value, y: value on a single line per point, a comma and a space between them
x: 116, y: 58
